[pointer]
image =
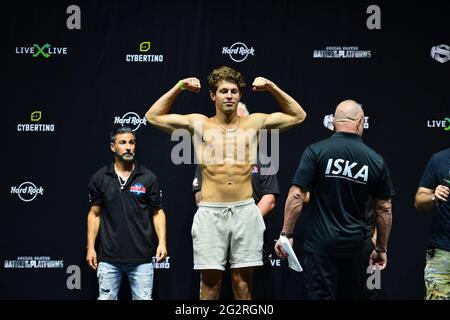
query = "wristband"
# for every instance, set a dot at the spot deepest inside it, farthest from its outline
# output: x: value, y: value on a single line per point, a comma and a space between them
x: 434, y: 199
x: 380, y: 249
x: 181, y: 85
x: 287, y: 234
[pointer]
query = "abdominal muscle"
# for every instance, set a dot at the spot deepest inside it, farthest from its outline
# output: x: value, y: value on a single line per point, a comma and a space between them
x: 223, y: 183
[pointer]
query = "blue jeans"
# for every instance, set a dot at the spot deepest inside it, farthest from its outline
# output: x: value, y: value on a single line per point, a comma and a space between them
x: 140, y: 277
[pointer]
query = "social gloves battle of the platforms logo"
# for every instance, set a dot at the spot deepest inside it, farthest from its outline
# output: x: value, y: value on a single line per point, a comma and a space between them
x: 344, y: 52
x: 37, y: 262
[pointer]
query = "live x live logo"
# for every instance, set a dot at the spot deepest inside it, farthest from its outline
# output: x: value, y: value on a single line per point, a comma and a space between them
x: 439, y: 124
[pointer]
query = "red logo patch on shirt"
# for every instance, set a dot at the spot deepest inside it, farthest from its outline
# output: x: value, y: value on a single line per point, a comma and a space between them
x: 138, y: 189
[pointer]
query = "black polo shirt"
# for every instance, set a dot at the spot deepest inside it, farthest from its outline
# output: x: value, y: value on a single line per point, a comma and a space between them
x: 261, y: 184
x: 341, y: 173
x: 126, y: 225
x: 438, y: 172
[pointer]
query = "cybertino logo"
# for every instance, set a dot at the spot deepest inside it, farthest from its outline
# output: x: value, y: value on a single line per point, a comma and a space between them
x: 144, y: 46
x: 441, y: 53
x: 36, y: 116
x: 45, y: 50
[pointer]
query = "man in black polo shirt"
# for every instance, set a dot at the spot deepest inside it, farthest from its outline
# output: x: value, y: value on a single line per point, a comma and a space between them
x: 342, y: 173
x: 125, y: 206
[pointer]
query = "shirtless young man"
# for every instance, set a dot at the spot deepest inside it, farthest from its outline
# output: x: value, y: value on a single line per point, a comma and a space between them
x: 228, y: 224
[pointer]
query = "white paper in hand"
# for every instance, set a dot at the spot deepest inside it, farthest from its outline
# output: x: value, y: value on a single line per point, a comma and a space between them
x: 292, y: 258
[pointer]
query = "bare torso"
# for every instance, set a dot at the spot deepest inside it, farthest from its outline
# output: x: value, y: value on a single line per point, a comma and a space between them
x: 225, y: 183
x: 226, y: 158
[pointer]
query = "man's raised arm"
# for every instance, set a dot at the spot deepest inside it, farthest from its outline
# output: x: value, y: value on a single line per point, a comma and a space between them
x: 158, y: 114
x: 291, y: 113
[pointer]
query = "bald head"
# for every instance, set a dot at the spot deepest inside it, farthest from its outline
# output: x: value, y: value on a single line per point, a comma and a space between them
x: 348, y: 116
x: 348, y: 110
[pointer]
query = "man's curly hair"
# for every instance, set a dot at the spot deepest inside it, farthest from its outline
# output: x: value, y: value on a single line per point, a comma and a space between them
x: 227, y: 74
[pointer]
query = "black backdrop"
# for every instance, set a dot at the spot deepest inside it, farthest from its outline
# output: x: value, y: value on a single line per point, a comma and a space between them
x: 83, y: 92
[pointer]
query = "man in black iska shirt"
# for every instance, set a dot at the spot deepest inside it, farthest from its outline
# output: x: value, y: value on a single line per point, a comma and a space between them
x: 125, y: 211
x: 342, y: 174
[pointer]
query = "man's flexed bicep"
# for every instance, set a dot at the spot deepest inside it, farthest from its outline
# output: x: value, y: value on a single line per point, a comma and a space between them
x: 159, y: 113
x: 281, y: 121
x: 170, y: 122
x: 291, y: 113
x: 276, y: 120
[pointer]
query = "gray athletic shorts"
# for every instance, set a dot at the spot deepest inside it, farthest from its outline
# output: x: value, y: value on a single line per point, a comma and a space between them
x: 227, y: 230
